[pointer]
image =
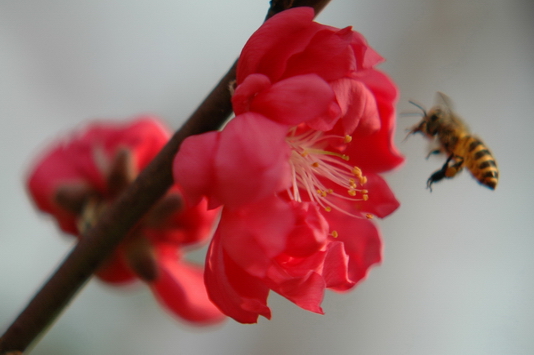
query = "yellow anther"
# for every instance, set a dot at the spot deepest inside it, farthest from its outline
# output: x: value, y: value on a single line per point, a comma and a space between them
x: 315, y: 165
x: 365, y: 197
x: 369, y: 216
x: 352, y: 192
x: 363, y: 180
x: 345, y: 157
x: 328, y: 208
x: 347, y: 139
x: 334, y: 234
x: 330, y: 191
x: 357, y: 172
x: 364, y: 191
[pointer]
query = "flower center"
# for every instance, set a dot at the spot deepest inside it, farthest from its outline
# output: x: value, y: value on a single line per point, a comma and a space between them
x: 322, y: 175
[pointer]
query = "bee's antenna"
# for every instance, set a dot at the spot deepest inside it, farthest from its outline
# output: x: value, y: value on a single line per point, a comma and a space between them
x: 418, y: 106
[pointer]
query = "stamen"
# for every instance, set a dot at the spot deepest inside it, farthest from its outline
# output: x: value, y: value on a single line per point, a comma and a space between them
x: 313, y: 166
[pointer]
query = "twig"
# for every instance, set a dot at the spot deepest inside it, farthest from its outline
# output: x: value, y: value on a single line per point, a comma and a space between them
x: 150, y: 185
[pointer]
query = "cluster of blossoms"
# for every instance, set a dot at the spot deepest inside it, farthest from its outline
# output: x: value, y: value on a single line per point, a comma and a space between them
x: 296, y: 170
x: 77, y: 179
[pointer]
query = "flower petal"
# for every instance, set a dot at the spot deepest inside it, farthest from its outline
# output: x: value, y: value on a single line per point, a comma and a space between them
x: 335, y: 271
x: 366, y: 57
x: 180, y: 288
x: 295, y: 100
x: 382, y: 201
x: 361, y: 243
x: 236, y: 293
x: 358, y: 106
x: 328, y: 54
x: 193, y: 168
x: 246, y: 92
x: 219, y: 164
x: 376, y: 152
x: 306, y: 292
x: 281, y: 36
x: 253, y: 235
x: 252, y: 160
x: 309, y: 233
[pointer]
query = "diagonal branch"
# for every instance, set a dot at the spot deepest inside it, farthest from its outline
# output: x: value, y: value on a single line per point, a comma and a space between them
x: 139, y: 197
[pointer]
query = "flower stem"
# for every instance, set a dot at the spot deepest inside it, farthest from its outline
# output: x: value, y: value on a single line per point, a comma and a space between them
x: 112, y: 227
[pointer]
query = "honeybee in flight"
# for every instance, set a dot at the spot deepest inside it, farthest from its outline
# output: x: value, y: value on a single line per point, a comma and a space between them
x: 455, y: 140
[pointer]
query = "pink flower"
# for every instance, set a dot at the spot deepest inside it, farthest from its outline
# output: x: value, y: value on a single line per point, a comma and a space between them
x: 297, y: 168
x: 78, y: 177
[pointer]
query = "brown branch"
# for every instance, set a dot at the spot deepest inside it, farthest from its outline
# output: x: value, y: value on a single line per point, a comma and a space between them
x: 140, y: 196
x: 281, y: 5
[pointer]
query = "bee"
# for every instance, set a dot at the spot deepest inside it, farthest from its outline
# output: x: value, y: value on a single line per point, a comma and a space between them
x: 463, y: 149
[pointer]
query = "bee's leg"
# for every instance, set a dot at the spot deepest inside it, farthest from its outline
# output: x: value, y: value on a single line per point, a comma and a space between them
x: 455, y: 168
x: 437, y: 176
x: 434, y: 151
x: 446, y: 171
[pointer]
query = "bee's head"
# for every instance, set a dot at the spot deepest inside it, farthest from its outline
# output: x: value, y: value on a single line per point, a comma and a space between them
x: 426, y: 125
x: 432, y: 121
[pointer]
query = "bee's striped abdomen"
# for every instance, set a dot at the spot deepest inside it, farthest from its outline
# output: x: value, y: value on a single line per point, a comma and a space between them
x: 480, y: 162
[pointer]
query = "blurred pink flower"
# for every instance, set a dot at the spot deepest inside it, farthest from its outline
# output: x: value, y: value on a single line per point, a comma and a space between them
x: 297, y: 169
x: 78, y: 177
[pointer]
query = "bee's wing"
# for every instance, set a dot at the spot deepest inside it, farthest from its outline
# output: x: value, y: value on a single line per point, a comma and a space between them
x: 444, y: 102
x: 447, y: 107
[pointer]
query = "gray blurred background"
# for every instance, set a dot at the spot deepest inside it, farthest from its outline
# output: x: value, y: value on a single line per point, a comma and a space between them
x: 458, y: 274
